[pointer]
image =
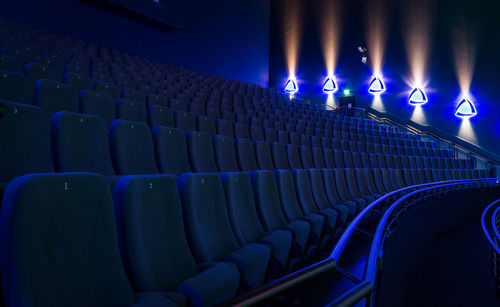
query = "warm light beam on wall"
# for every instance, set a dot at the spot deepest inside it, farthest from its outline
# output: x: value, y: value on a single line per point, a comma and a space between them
x: 376, y: 33
x: 467, y: 132
x: 418, y: 115
x: 417, y: 25
x: 330, y: 26
x: 292, y: 23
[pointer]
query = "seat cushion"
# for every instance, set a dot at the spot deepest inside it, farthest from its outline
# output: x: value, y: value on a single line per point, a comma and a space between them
x: 252, y: 260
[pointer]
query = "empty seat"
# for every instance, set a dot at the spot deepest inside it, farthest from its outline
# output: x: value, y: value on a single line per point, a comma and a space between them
x: 15, y: 87
x: 332, y: 193
x: 225, y: 155
x: 256, y: 133
x: 79, y: 82
x: 206, y: 124
x: 160, y: 100
x: 26, y: 147
x: 68, y: 210
x: 272, y: 217
x: 10, y: 64
x: 319, y: 160
x: 201, y: 153
x: 294, y: 157
x: 184, y: 121
x: 160, y: 116
x: 241, y: 131
x: 263, y: 155
x: 133, y: 94
x: 245, y: 221
x: 354, y: 189
x: 131, y: 110
x: 209, y: 230
x: 344, y: 191
x: 99, y: 104
x: 309, y: 206
x: 280, y: 156
x: 35, y: 72
x: 132, y: 148
x: 80, y: 144
x: 245, y: 154
x: 293, y: 211
x: 306, y: 157
x: 146, y: 242
x: 53, y: 97
x: 108, y: 88
x: 171, y: 150
x: 224, y: 127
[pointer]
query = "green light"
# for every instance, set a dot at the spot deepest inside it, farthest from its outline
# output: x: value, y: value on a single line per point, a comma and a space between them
x: 347, y: 92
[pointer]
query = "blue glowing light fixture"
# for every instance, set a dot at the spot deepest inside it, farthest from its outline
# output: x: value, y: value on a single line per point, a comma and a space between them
x: 291, y: 87
x: 377, y: 86
x: 465, y: 109
x: 330, y: 85
x: 417, y: 97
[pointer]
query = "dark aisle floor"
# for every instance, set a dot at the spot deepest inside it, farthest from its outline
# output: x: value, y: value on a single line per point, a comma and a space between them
x: 460, y: 262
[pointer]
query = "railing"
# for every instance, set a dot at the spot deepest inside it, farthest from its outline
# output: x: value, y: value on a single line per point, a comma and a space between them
x: 459, y: 152
x: 364, y: 287
x: 490, y: 221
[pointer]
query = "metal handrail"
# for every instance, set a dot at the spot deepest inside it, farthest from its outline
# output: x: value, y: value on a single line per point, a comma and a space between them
x: 484, y: 223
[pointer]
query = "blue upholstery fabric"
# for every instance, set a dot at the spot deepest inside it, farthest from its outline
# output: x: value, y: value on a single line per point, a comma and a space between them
x: 10, y: 64
x: 224, y: 127
x: 160, y: 116
x: 154, y: 245
x: 171, y: 150
x: 246, y: 154
x: 132, y: 148
x: 108, y: 88
x: 245, y: 222
x: 80, y: 144
x: 263, y: 155
x: 78, y: 81
x: 201, y: 152
x: 131, y: 110
x: 26, y: 147
x: 225, y: 155
x: 15, y: 87
x: 184, y: 121
x: 65, y: 248
x: 209, y: 230
x: 280, y: 157
x: 99, y: 104
x: 206, y: 124
x: 54, y: 97
x: 35, y: 72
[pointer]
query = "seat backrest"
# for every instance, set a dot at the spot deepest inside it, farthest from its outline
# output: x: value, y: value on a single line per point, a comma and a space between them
x: 149, y: 221
x: 206, y: 218
x: 54, y: 97
x: 99, y: 104
x: 131, y: 110
x: 280, y: 156
x: 160, y: 116
x: 35, y: 72
x: 206, y: 124
x: 328, y: 176
x: 352, y: 183
x: 15, y: 87
x: 108, y: 88
x: 306, y: 157
x: 78, y: 81
x: 241, y: 131
x: 342, y: 185
x: 184, y: 121
x: 25, y: 141
x: 263, y: 155
x: 171, y: 150
x: 294, y: 157
x: 132, y: 148
x: 288, y: 195
x: 245, y: 154
x: 304, y: 191
x: 80, y: 144
x: 201, y: 152
x: 10, y: 64
x: 224, y: 127
x: 225, y: 156
x: 68, y: 226
x: 267, y: 200
x: 241, y: 207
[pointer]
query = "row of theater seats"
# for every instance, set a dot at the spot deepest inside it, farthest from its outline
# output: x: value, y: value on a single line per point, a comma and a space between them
x: 195, y: 240
x: 79, y: 142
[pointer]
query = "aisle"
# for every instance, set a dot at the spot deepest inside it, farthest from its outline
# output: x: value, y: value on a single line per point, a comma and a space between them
x: 460, y: 262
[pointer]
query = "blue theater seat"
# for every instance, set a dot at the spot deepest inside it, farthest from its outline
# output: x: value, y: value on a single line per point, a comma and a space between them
x: 80, y: 144
x: 201, y: 152
x: 294, y: 157
x: 171, y: 150
x: 245, y: 221
x: 132, y: 148
x: 206, y: 124
x: 132, y: 110
x: 155, y: 249
x: 209, y: 230
x: 293, y: 212
x: 35, y: 72
x: 332, y: 191
x: 184, y: 121
x: 114, y: 91
x: 280, y: 156
x: 99, y: 104
x: 26, y: 147
x: 54, y: 97
x: 160, y: 116
x: 10, y: 64
x: 43, y: 250
x: 78, y: 81
x: 224, y: 127
x: 245, y: 154
x: 15, y: 87
x: 225, y: 155
x: 263, y: 155
x: 133, y: 94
